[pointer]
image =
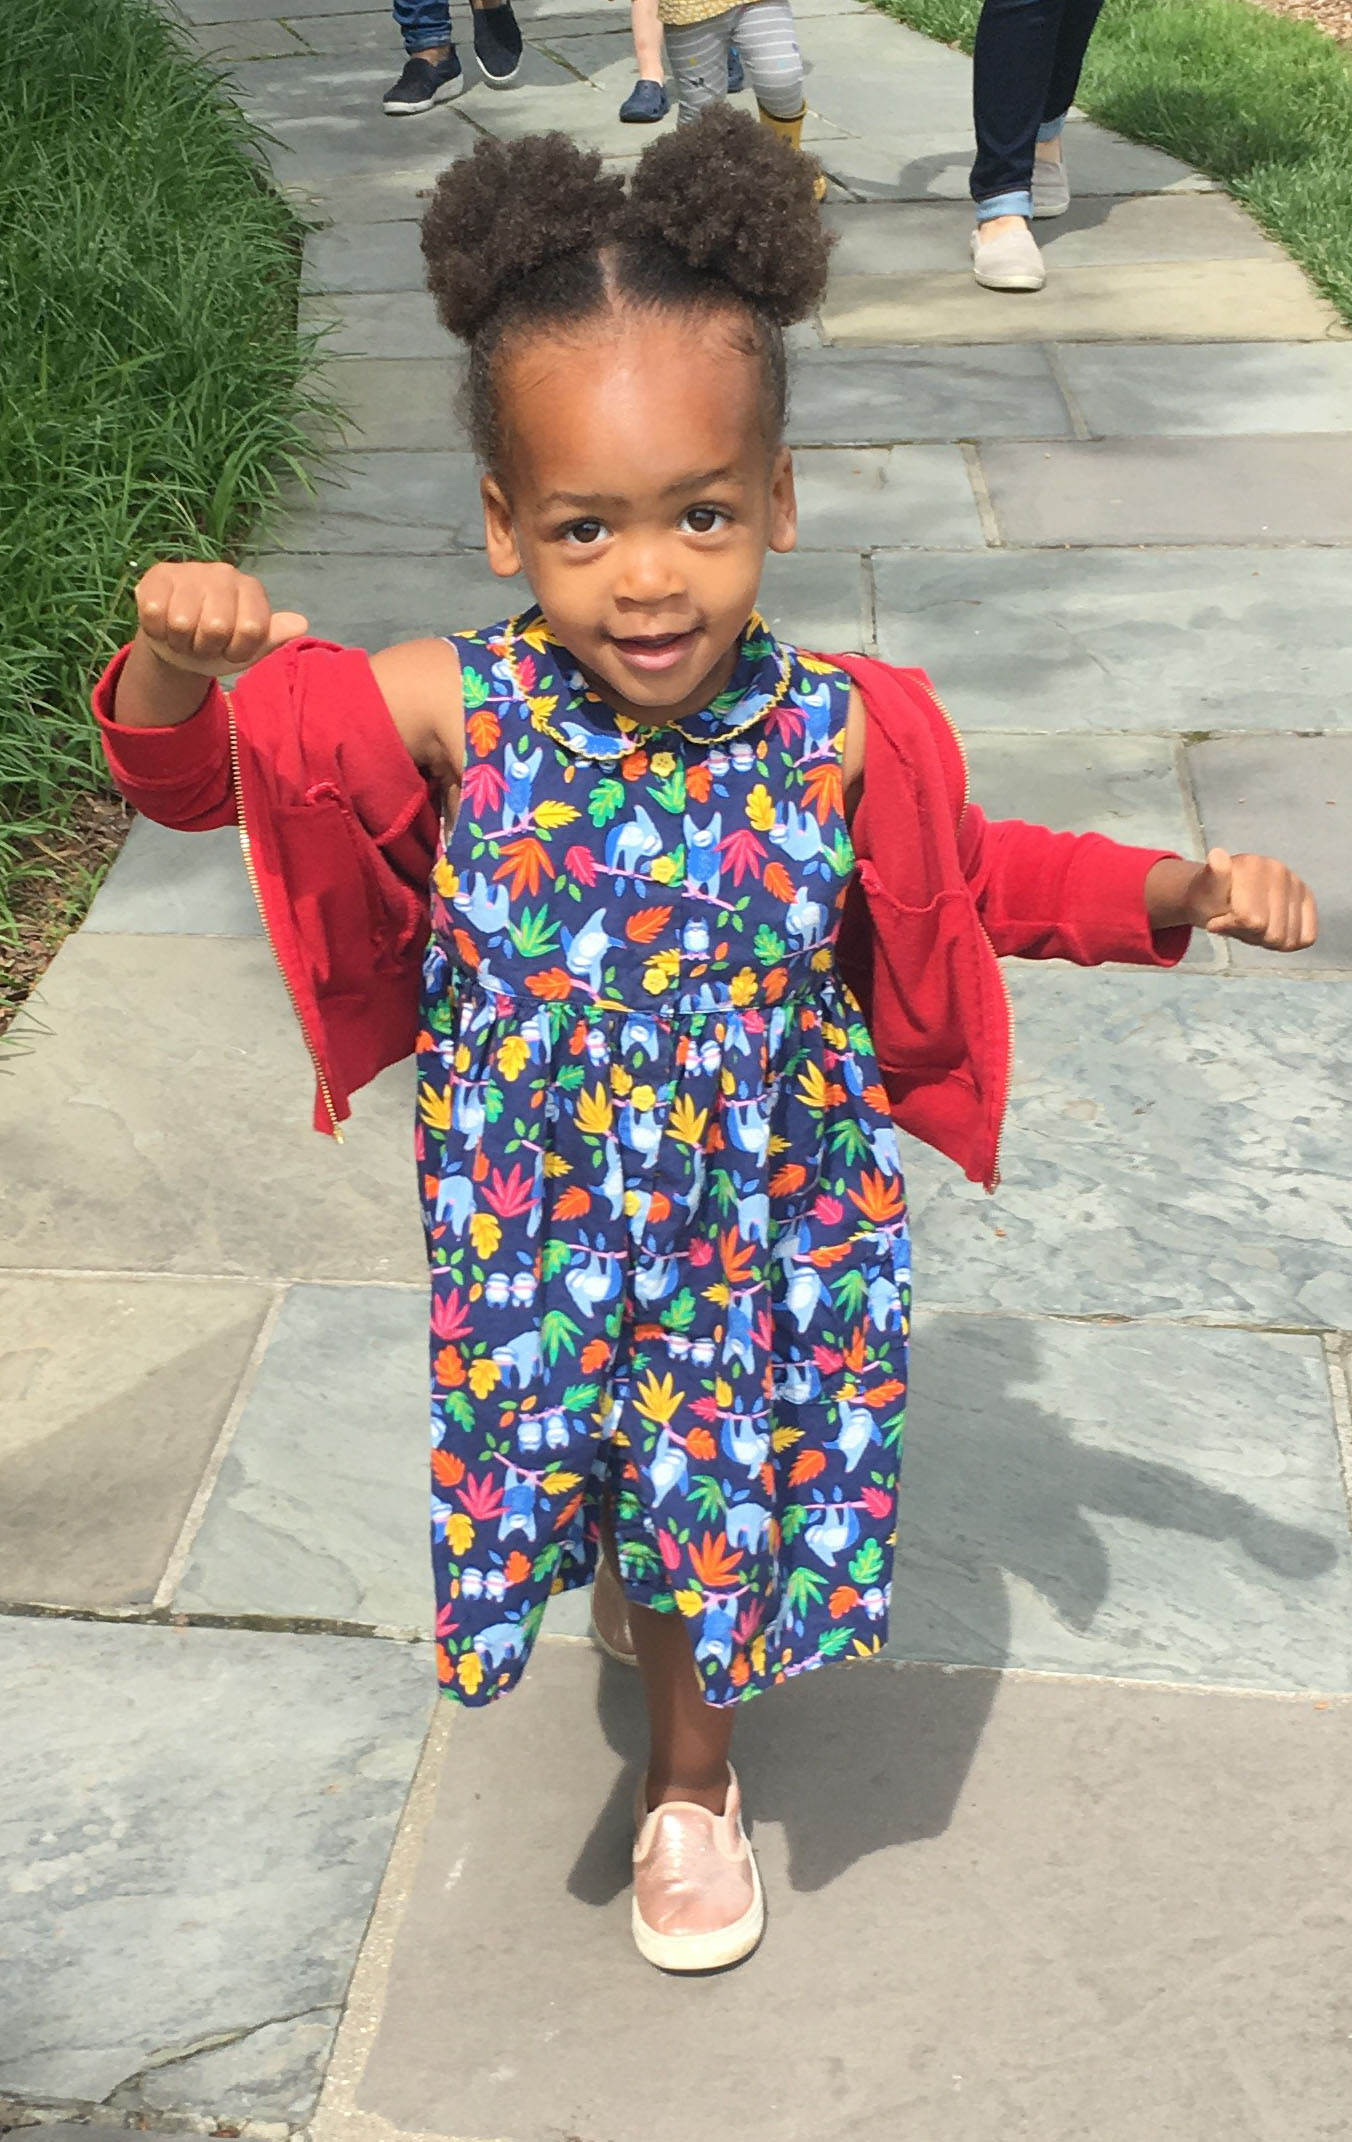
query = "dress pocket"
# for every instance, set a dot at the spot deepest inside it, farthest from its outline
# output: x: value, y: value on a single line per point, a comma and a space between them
x: 334, y: 886
x: 926, y: 980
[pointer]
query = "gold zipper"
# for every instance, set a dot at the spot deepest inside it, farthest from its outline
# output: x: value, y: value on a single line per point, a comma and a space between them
x: 246, y: 850
x: 1009, y: 1001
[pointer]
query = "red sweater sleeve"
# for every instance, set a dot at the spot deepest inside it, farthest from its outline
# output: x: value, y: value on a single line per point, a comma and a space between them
x: 179, y: 776
x: 1075, y: 896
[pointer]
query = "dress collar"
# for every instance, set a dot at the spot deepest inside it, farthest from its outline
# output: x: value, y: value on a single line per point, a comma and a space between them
x: 563, y: 705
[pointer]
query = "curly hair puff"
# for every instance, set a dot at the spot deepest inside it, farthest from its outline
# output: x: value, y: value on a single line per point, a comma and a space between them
x: 532, y: 237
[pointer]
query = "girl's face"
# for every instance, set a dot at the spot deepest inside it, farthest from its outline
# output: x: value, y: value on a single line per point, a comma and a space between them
x: 640, y: 500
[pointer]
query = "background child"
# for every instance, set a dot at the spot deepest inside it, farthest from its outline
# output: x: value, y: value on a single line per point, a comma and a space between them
x: 663, y: 1202
x: 647, y: 100
x: 701, y: 37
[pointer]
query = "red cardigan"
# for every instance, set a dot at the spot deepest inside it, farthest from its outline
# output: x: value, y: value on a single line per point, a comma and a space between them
x: 339, y: 832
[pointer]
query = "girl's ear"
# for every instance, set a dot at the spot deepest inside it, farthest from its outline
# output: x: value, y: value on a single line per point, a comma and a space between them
x: 499, y: 530
x: 783, y: 503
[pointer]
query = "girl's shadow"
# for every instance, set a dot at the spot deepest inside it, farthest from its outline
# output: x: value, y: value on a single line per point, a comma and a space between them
x: 853, y: 1761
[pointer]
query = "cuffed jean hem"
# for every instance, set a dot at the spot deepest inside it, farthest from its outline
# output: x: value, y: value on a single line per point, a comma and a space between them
x: 1052, y: 129
x: 1005, y: 204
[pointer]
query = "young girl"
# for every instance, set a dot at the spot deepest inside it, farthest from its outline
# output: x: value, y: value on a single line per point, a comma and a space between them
x: 660, y: 1176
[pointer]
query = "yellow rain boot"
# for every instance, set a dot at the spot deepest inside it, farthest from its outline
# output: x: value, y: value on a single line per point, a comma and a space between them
x: 791, y: 130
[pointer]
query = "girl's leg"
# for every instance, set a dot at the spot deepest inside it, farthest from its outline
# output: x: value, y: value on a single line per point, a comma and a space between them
x: 646, y: 30
x: 688, y: 1738
x: 768, y: 43
x: 698, y: 52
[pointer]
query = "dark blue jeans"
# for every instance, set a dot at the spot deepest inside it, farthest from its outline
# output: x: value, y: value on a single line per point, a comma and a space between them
x: 423, y: 23
x: 1025, y: 71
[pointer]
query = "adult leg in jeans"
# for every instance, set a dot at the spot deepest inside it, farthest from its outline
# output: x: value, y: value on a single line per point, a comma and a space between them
x: 425, y: 26
x: 1026, y: 67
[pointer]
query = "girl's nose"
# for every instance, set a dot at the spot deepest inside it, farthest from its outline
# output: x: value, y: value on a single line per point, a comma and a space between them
x: 648, y: 573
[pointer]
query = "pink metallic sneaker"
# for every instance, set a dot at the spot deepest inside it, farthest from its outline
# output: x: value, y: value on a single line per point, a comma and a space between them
x: 698, y: 1902
x: 610, y: 1615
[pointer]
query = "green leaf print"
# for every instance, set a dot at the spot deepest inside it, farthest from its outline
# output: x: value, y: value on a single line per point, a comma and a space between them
x: 840, y: 855
x: 671, y: 792
x: 570, y: 1077
x: 459, y: 1409
x: 768, y: 945
x: 474, y: 688
x: 834, y: 1641
x: 867, y: 1566
x: 849, y: 1140
x: 849, y: 1293
x: 534, y: 935
x: 554, y: 1257
x: 493, y: 1103
x: 606, y: 799
x: 679, y: 1314
x: 793, y: 1521
x: 638, y: 1559
x: 708, y: 1497
x: 804, y: 1589
x: 558, y: 1334
x: 579, y: 1398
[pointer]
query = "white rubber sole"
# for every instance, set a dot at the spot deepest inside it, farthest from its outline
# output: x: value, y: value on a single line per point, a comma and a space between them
x: 498, y: 81
x: 704, y: 1952
x: 1009, y: 282
x: 447, y: 92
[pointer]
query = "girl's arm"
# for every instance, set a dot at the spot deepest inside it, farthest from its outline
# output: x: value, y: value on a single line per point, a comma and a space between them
x: 199, y: 622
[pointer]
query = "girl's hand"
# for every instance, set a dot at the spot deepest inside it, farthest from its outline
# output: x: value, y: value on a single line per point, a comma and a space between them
x: 1253, y: 898
x: 210, y: 620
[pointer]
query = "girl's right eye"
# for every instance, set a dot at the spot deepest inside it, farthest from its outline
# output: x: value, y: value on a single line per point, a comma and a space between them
x: 584, y: 532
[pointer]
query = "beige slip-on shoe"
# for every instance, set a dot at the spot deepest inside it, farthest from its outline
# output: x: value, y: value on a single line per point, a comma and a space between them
x: 1051, y: 187
x: 698, y: 1902
x: 1009, y: 262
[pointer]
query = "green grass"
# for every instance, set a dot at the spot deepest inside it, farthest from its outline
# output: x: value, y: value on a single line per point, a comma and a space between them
x: 1260, y: 102
x: 153, y: 387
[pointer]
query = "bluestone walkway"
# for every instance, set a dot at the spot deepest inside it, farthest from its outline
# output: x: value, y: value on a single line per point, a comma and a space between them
x: 1073, y: 1864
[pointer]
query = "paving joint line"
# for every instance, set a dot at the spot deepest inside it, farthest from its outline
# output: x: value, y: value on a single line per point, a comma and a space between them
x: 981, y: 497
x: 250, y: 1624
x: 1340, y: 1394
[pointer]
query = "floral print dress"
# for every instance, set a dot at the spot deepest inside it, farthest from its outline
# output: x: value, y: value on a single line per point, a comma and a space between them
x: 663, y: 1204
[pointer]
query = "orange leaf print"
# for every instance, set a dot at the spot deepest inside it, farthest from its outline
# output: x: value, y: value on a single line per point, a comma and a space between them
x: 482, y: 730
x: 767, y: 1480
x: 878, y: 1097
x: 595, y: 1355
x: 841, y: 1600
x: 445, y: 1667
x: 775, y: 877
x: 480, y: 1165
x: 447, y: 1469
x: 701, y: 1444
x: 647, y: 924
x: 715, y: 1562
x: 449, y: 1368
x: 775, y: 984
x: 736, y: 1260
x: 831, y: 1253
x: 806, y: 1466
x: 522, y: 861
x: 466, y: 947
x: 879, y: 1197
x: 634, y: 767
x: 572, y: 1203
x: 554, y: 984
x: 740, y: 1669
x: 787, y: 1179
x: 516, y: 1568
x: 698, y: 779
x: 823, y: 790
x: 659, y: 1207
x: 853, y: 1356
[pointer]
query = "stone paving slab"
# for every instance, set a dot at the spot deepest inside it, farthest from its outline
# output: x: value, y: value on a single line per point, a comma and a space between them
x: 365, y: 257
x: 1212, y: 387
x: 178, y: 884
x: 194, y: 1823
x: 1175, y: 1147
x: 226, y: 43
x: 1290, y: 490
x: 839, y: 398
x: 393, y: 403
x: 155, y: 1117
x: 909, y: 495
x: 321, y: 1506
x: 1158, y: 301
x: 995, y: 1830
x: 1226, y: 640
x: 375, y: 600
x: 317, y: 159
x: 904, y: 237
x: 212, y: 11
x: 365, y: 324
x: 1150, y: 1502
x: 935, y: 165
x: 419, y: 503
x: 1290, y: 797
x: 113, y: 1392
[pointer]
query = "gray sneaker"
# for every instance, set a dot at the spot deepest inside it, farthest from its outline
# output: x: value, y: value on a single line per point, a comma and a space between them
x: 1051, y: 187
x: 1009, y: 262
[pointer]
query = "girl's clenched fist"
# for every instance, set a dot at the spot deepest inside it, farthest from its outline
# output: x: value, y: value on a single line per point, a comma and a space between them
x: 210, y: 619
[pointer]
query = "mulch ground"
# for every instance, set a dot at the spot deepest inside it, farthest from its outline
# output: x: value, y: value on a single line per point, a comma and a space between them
x: 47, y: 909
x: 1332, y: 16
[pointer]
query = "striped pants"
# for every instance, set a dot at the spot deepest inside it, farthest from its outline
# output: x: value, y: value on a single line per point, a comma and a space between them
x: 763, y: 33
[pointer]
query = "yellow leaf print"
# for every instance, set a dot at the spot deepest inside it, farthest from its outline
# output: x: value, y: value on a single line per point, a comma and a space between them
x: 485, y: 1234
x: 815, y: 665
x: 785, y: 1438
x: 835, y: 1037
x: 760, y: 808
x: 469, y: 1672
x: 561, y: 1483
x: 434, y: 1108
x: 720, y: 1293
x: 483, y: 1377
x: 593, y: 1115
x: 550, y: 815
x: 657, y: 1400
x: 689, y: 1602
x: 822, y: 960
x: 462, y: 1059
x: 513, y: 1056
x: 722, y: 1393
x: 621, y: 1081
x: 758, y: 1653
x: 459, y: 1532
x: 556, y: 1165
x: 778, y: 1144
x: 812, y: 1087
x: 686, y: 1122
x: 543, y: 705
x: 742, y: 987
x: 665, y: 868
x: 660, y: 972
x: 445, y: 879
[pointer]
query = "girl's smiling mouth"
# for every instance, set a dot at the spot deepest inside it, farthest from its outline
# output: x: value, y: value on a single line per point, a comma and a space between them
x: 652, y: 653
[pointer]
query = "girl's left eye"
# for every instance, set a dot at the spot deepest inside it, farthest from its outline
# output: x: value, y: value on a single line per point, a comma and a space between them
x: 704, y: 520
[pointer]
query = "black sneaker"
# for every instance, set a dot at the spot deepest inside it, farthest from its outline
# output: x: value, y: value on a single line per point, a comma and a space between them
x: 646, y: 102
x: 497, y: 44
x: 424, y: 83
x: 736, y: 72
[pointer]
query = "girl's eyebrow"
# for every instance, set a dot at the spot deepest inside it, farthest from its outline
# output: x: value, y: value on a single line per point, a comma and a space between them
x: 598, y: 501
